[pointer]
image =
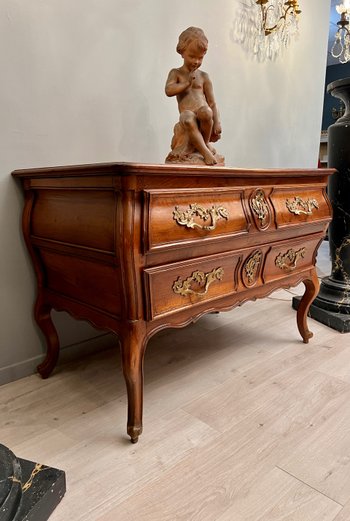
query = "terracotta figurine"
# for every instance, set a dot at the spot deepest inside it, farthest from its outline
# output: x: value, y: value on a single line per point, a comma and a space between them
x: 199, y: 122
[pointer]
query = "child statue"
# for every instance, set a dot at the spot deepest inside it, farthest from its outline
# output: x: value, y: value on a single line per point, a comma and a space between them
x: 199, y: 122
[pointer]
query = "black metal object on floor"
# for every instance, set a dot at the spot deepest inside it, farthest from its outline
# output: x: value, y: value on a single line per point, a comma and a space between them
x: 28, y: 491
x: 338, y: 321
x: 332, y: 305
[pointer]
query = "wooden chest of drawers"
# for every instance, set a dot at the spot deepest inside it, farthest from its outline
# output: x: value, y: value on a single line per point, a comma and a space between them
x: 136, y: 248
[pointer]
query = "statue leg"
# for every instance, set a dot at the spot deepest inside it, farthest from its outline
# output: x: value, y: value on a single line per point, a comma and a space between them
x: 205, y: 118
x: 312, y: 286
x: 42, y: 314
x: 189, y: 121
x: 133, y: 344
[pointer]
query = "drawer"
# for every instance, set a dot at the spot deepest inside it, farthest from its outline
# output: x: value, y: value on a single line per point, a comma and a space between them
x: 300, y: 205
x: 290, y: 257
x: 174, y: 218
x: 181, y: 285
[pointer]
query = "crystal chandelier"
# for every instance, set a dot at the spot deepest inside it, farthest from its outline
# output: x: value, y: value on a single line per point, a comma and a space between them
x: 341, y: 45
x: 266, y: 27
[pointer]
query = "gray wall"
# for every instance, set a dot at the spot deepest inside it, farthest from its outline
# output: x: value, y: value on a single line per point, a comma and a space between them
x: 83, y: 81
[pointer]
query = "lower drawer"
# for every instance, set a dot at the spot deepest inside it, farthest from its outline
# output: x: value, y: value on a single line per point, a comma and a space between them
x: 172, y: 287
x: 290, y: 257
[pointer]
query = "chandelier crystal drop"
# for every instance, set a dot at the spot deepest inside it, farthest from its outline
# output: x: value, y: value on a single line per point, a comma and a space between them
x: 341, y: 45
x: 264, y: 28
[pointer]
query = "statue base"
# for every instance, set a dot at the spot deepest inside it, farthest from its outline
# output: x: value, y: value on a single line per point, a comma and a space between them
x: 193, y: 158
x: 183, y: 151
x: 28, y: 490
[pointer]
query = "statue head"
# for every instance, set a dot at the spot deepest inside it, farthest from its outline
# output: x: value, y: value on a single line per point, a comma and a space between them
x: 192, y: 35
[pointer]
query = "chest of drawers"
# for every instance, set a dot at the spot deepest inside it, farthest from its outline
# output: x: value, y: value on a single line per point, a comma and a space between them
x: 136, y: 248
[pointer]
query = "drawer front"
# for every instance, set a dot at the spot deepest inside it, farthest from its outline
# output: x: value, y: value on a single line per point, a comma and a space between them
x: 180, y: 217
x: 290, y: 257
x: 300, y: 205
x: 182, y: 285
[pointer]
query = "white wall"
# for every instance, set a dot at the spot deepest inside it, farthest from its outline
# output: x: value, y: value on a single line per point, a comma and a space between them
x: 83, y: 81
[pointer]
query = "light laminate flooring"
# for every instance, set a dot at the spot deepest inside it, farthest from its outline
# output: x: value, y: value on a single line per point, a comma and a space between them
x: 242, y: 422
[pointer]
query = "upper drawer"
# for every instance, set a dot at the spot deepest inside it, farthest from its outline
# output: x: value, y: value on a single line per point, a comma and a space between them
x: 299, y: 205
x: 175, y: 217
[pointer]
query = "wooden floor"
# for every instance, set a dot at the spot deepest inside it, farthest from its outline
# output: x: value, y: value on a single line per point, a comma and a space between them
x: 243, y: 422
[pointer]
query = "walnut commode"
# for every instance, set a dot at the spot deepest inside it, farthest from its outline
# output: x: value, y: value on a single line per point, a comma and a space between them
x: 136, y: 248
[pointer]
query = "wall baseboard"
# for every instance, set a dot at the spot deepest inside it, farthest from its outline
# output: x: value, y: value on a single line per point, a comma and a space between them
x: 68, y: 354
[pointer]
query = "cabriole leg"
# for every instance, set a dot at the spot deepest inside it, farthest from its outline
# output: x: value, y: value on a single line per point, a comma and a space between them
x: 133, y: 345
x: 42, y: 315
x: 312, y: 287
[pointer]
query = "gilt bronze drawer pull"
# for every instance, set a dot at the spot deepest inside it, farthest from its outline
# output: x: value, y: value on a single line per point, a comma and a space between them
x: 186, y: 218
x: 259, y: 206
x: 288, y: 261
x: 299, y: 206
x: 183, y: 287
x: 251, y: 268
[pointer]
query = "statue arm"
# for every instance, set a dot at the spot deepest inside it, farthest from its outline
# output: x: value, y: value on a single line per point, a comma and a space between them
x: 173, y: 86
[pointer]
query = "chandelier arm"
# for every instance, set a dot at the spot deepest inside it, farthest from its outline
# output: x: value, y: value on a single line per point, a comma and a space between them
x: 264, y: 15
x: 269, y: 30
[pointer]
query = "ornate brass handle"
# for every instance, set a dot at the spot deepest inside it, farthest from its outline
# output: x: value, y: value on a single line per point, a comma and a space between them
x: 299, y: 206
x: 183, y: 287
x: 186, y: 218
x: 288, y: 261
x: 251, y: 267
x: 260, y: 207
